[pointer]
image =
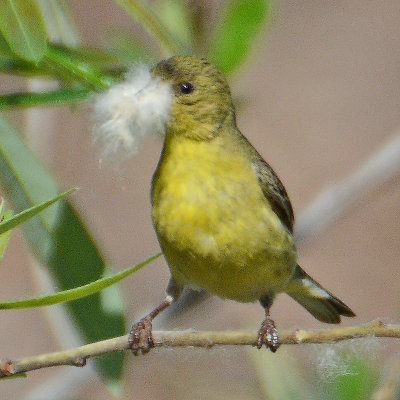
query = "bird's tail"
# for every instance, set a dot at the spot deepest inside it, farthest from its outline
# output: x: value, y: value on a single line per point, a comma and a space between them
x: 315, y: 299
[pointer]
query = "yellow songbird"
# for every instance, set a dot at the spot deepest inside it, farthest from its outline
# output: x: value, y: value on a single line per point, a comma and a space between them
x: 222, y: 216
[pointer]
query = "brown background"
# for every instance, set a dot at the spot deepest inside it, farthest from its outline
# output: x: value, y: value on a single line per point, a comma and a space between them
x: 320, y: 94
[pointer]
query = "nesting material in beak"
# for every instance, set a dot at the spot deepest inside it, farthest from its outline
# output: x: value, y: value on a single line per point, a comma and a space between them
x: 137, y: 107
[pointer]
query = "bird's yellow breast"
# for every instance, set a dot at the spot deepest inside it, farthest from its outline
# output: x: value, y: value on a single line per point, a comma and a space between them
x: 215, y: 226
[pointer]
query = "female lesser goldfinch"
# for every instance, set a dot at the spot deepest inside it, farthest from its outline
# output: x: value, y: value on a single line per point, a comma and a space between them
x: 223, y: 218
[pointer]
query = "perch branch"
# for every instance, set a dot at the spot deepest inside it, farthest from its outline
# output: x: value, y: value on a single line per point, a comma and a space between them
x: 77, y: 357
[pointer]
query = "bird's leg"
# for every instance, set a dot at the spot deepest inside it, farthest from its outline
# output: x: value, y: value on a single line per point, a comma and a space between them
x: 268, y: 334
x: 141, y: 334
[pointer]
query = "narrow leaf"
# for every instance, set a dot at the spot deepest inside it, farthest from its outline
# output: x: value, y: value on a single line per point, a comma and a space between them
x: 52, y: 98
x: 4, y: 237
x: 60, y: 241
x: 76, y: 293
x: 12, y: 64
x: 83, y: 73
x: 22, y: 26
x: 27, y: 214
x: 5, y: 50
x: 2, y: 209
x: 238, y: 26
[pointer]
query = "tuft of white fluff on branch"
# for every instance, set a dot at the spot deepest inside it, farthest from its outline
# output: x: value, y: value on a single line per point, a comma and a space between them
x: 131, y: 110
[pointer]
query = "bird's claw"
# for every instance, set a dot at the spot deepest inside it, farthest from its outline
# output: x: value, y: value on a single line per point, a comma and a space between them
x: 141, y: 336
x: 268, y: 335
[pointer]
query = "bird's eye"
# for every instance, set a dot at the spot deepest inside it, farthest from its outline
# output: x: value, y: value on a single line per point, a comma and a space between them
x: 186, y: 88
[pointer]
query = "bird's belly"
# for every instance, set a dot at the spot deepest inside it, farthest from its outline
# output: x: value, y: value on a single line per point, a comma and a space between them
x: 223, y: 236
x: 239, y: 276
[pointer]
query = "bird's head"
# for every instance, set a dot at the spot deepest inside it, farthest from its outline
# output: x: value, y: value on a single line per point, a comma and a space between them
x: 201, y: 98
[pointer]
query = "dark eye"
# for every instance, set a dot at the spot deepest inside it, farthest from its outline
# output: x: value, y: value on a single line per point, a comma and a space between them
x: 186, y: 88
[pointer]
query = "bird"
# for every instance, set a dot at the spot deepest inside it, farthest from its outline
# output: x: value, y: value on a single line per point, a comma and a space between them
x: 222, y: 216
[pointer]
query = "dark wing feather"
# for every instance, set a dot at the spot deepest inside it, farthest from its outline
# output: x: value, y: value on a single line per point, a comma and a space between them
x: 274, y: 191
x: 270, y: 184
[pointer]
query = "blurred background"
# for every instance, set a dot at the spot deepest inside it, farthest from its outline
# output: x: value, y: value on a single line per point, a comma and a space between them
x: 318, y: 94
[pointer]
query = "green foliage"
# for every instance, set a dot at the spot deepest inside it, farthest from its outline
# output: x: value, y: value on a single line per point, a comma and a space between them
x: 59, y: 239
x: 57, y: 97
x: 10, y: 222
x: 352, y: 378
x: 76, y: 293
x: 235, y: 32
x: 358, y: 383
x: 22, y: 26
x: 5, y: 235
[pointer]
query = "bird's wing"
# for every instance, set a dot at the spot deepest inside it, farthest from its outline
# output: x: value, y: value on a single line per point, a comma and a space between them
x: 274, y: 191
x: 270, y: 184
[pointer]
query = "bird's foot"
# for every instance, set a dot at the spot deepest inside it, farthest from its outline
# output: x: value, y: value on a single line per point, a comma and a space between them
x: 268, y: 335
x: 141, y: 336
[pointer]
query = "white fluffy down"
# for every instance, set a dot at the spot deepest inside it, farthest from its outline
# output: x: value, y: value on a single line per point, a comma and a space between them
x: 129, y: 111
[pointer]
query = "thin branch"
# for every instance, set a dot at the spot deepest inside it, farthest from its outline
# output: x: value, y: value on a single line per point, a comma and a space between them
x: 389, y: 388
x: 77, y: 357
x: 382, y: 166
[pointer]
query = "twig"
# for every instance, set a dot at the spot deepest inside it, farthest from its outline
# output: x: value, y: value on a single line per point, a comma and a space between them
x: 383, y: 165
x: 390, y: 386
x: 77, y: 357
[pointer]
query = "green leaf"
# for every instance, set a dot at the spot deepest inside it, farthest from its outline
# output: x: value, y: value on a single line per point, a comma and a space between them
x: 60, y: 241
x: 2, y: 210
x: 358, y: 381
x: 82, y: 66
x: 52, y: 98
x: 22, y: 26
x: 4, y: 237
x: 81, y: 72
x: 76, y: 293
x: 92, y: 56
x: 11, y: 64
x: 5, y: 50
x: 99, y: 61
x: 29, y: 213
x: 239, y: 24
